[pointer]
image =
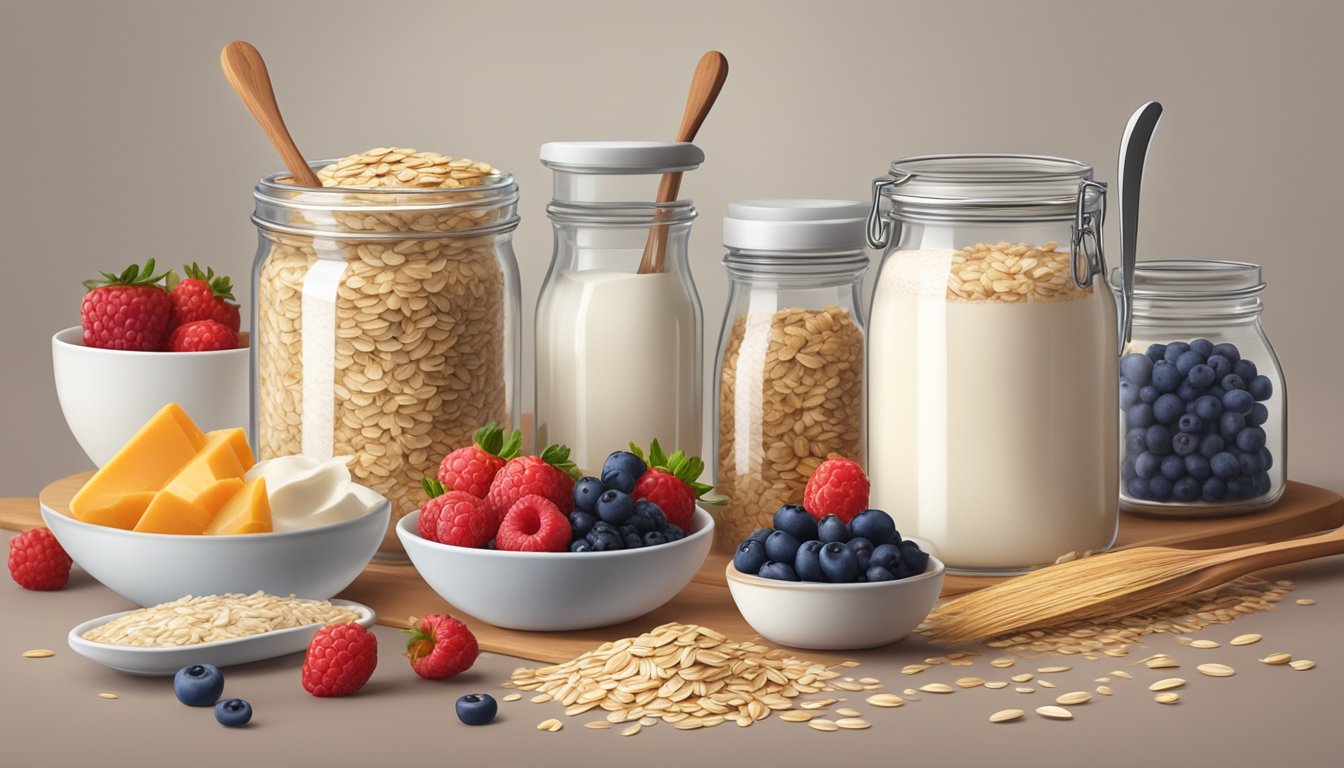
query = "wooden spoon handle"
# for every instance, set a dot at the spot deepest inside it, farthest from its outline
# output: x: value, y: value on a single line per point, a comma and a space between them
x: 246, y: 72
x: 710, y: 74
x: 1262, y: 556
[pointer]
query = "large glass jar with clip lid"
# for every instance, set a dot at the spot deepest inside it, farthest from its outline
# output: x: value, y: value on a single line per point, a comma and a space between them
x: 992, y: 356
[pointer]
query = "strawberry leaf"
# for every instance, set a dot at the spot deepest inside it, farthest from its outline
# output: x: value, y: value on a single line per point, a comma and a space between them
x: 635, y: 449
x: 433, y: 488
x: 512, y: 445
x: 489, y: 438
x: 656, y: 456
x: 558, y: 456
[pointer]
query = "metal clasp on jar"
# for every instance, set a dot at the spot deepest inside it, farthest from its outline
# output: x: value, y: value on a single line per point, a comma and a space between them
x: 1088, y: 253
x: 879, y: 225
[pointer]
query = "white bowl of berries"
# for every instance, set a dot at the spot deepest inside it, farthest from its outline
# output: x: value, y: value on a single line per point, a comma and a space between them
x: 142, y: 345
x: 832, y: 574
x: 523, y: 544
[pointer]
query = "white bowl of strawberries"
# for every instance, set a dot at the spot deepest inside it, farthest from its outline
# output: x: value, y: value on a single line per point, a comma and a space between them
x: 524, y: 543
x: 142, y: 345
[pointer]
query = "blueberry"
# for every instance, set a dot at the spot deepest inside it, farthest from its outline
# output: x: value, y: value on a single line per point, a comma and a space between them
x: 1173, y: 467
x: 1168, y: 409
x: 1147, y: 464
x: 632, y: 539
x: 1230, y: 424
x: 643, y: 521
x: 878, y: 573
x: 1202, y: 346
x: 1148, y: 394
x: 1216, y: 392
x: 1248, y: 464
x: 625, y: 460
x: 1137, y: 488
x: 1184, y: 444
x: 1198, y: 467
x: 580, y: 545
x: 1186, y: 489
x: 615, y: 506
x: 916, y: 559
x: 1214, y: 490
x: 781, y: 547
x: 655, y: 513
x: 830, y: 528
x: 580, y: 523
x: 808, y: 562
x: 654, y: 538
x: 778, y: 571
x: 1139, y: 416
x: 1240, y: 487
x: 839, y: 563
x: 1159, y: 488
x: 875, y: 526
x: 1225, y: 465
x: 862, y: 549
x: 1135, y: 441
x: 1174, y: 351
x: 1262, y: 484
x: 1158, y: 440
x: 198, y: 685
x: 1187, y: 394
x: 1259, y: 415
x: 1251, y: 439
x: 1238, y: 401
x: 1221, y: 365
x: 760, y: 534
x: 673, y: 532
x: 1228, y: 351
x: 1190, y: 423
x: 885, y: 555
x: 476, y: 708
x: 619, y: 479
x: 1231, y: 382
x: 748, y: 558
x: 1209, y: 445
x: 1201, y: 376
x: 1136, y: 368
x: 1156, y: 352
x: 1129, y: 393
x: 1187, y: 361
x: 1165, y: 377
x: 1266, y: 459
x: 1208, y: 408
x: 1245, y: 369
x: 233, y: 713
x: 1261, y: 388
x: 586, y: 492
x: 1127, y: 469
x: 605, y: 539
x: 797, y: 521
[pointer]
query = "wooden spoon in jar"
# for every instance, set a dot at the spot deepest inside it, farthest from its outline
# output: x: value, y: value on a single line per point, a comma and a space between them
x: 246, y: 72
x: 706, y: 83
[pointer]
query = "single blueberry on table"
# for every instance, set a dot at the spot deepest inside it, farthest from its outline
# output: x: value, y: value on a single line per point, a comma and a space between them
x: 797, y: 521
x: 1159, y: 488
x: 839, y: 563
x: 879, y: 573
x: 1210, y: 445
x: 1165, y: 377
x: 875, y: 526
x: 808, y: 562
x: 1158, y: 440
x: 1186, y: 489
x: 1148, y: 394
x: 1214, y: 490
x: 885, y: 555
x: 1225, y: 466
x: 1137, y: 368
x: 580, y: 523
x: 778, y: 571
x: 781, y: 547
x: 625, y: 460
x: 1197, y: 466
x: 233, y: 713
x: 586, y: 492
x: 1261, y: 388
x: 1208, y: 408
x: 1174, y: 351
x: 1259, y: 415
x: 831, y: 528
x: 1173, y: 467
x: 1147, y: 464
x: 198, y: 685
x: 1201, y: 376
x: 1245, y: 369
x: 618, y: 479
x: 1221, y: 365
x: 1156, y: 352
x: 1202, y: 346
x: 1168, y: 409
x: 914, y: 558
x: 1184, y: 443
x: 749, y: 557
x: 615, y: 506
x: 1187, y: 361
x: 476, y: 708
x: 1228, y: 351
x: 1251, y: 439
x: 1139, y: 416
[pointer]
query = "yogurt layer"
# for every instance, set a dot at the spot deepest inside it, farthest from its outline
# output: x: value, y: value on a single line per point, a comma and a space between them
x: 304, y: 492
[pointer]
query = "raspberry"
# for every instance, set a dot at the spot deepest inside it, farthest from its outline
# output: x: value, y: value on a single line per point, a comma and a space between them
x: 202, y: 336
x: 837, y: 487
x: 37, y: 561
x: 534, y: 524
x: 440, y: 646
x: 550, y: 475
x: 340, y: 660
x: 430, y: 513
x: 472, y: 468
x: 202, y: 296
x: 671, y: 482
x: 464, y: 520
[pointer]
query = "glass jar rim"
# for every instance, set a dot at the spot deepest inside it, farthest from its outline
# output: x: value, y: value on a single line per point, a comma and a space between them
x: 1196, y: 279
x: 622, y: 214
x: 986, y: 186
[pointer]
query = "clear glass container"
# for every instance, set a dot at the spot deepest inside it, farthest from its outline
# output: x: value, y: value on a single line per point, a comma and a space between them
x: 991, y: 356
x: 790, y: 357
x: 1203, y: 405
x: 385, y: 325
x: 618, y: 337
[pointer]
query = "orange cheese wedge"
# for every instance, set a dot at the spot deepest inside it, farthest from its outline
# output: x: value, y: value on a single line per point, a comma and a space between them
x: 170, y: 513
x: 249, y: 511
x: 199, y: 481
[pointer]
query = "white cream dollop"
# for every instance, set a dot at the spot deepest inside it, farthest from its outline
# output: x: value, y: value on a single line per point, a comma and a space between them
x: 305, y: 492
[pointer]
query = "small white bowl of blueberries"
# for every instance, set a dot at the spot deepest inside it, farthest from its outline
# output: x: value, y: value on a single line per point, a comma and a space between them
x: 828, y: 584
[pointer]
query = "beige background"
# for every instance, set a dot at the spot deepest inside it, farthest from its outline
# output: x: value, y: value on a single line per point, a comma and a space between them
x: 122, y: 141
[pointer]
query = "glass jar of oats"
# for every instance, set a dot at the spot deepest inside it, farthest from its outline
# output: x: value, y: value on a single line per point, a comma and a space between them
x: 790, y: 362
x: 992, y: 360
x: 385, y: 315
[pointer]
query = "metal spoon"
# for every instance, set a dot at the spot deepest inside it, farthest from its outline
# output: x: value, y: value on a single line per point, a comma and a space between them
x: 1133, y: 152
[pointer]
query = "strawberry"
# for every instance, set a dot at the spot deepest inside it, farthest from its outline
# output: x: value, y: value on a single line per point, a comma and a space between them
x: 202, y: 296
x: 837, y: 487
x: 471, y: 468
x: 37, y: 561
x: 671, y: 482
x: 202, y: 336
x: 534, y: 524
x: 340, y: 660
x: 130, y: 310
x: 440, y: 646
x: 550, y: 475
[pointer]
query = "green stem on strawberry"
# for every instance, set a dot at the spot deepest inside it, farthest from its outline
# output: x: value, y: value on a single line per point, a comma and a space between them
x: 491, y: 439
x: 433, y: 488
x: 558, y: 456
x: 685, y: 468
x: 132, y: 275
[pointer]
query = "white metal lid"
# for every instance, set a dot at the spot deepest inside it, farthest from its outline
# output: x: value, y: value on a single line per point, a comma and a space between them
x: 621, y: 156
x: 795, y: 225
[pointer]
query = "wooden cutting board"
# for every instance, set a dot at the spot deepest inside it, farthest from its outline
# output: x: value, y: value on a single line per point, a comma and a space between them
x: 396, y: 591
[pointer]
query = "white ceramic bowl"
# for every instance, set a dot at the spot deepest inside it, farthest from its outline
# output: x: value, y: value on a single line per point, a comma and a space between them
x: 836, y: 617
x: 556, y: 591
x: 152, y: 568
x: 108, y: 394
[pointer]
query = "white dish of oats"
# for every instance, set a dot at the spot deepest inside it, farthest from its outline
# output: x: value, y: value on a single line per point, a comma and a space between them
x: 224, y: 630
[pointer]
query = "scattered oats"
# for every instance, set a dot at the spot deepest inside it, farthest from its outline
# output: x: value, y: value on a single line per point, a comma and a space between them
x: 1045, y: 683
x: 1163, y: 663
x: 1205, y: 644
x: 598, y: 725
x: 1122, y: 674
x: 632, y: 730
x: 817, y: 704
x: 648, y: 722
x: 689, y: 724
x: 1025, y: 677
x: 1277, y: 658
x: 551, y: 725
x: 1216, y: 670
x: 512, y: 697
x: 1167, y: 698
x: 823, y: 725
x: 1247, y: 639
x: 870, y: 681
x: 969, y: 682
x: 1006, y: 715
x: 1105, y: 690
x: 1102, y: 679
x: 795, y: 716
x: 1302, y: 665
x: 848, y: 712
x: 1025, y: 690
x: 1305, y: 601
x: 1054, y: 713
x: 1167, y: 684
x: 1003, y: 663
x: 1075, y: 697
x: 934, y: 661
x: 888, y: 700
x: 38, y: 653
x: 996, y: 684
x: 913, y: 669
x: 108, y: 696
x: 850, y: 663
x: 936, y: 688
x: 540, y: 698
x: 910, y: 692
x: 1048, y: 670
x: 853, y: 723
x: 846, y: 686
x: 961, y: 663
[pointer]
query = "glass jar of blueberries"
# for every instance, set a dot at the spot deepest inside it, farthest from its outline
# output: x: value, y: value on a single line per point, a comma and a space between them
x: 1201, y: 394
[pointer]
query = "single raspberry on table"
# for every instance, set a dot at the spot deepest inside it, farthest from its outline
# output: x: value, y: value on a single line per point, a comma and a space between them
x: 534, y: 524
x: 471, y: 469
x: 440, y: 646
x: 202, y: 295
x: 130, y: 310
x: 37, y: 561
x: 202, y: 336
x: 550, y: 475
x: 671, y: 482
x: 464, y: 520
x: 837, y: 487
x: 340, y: 660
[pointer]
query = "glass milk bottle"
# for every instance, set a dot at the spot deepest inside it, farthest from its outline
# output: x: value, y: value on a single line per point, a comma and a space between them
x: 618, y: 327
